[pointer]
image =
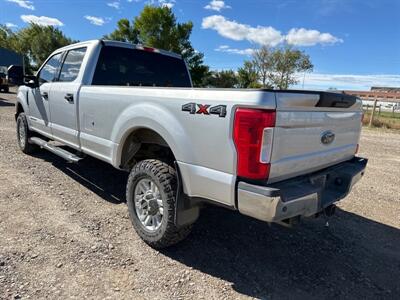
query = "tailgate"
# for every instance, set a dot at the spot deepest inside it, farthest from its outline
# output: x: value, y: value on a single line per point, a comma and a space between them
x: 313, y: 130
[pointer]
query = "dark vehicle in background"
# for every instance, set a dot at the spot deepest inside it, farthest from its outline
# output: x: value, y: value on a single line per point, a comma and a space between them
x: 11, y: 69
x: 11, y: 76
x: 4, y: 86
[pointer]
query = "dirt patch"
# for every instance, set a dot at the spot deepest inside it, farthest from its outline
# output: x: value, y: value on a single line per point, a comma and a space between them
x: 65, y: 233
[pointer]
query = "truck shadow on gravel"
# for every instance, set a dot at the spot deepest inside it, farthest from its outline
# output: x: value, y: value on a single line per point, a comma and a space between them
x: 5, y: 103
x: 97, y: 176
x: 354, y: 258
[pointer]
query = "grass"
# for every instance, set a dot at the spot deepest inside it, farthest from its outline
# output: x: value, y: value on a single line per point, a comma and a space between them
x: 383, y: 120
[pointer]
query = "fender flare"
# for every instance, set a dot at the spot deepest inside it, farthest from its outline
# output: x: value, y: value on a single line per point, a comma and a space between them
x: 22, y: 100
x: 154, y: 117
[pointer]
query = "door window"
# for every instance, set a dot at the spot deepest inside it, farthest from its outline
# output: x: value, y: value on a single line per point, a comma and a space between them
x: 72, y: 64
x: 49, y: 70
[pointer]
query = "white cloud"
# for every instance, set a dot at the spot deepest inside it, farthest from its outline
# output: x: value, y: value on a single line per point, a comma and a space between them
x: 168, y: 4
x: 239, y: 32
x: 42, y: 20
x: 114, y: 4
x: 99, y: 21
x: 305, y: 37
x: 347, y: 81
x: 227, y: 49
x: 23, y: 3
x: 11, y: 25
x: 267, y: 36
x: 162, y: 3
x: 216, y: 5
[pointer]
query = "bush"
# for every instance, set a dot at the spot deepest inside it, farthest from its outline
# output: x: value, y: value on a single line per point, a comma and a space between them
x: 382, y: 122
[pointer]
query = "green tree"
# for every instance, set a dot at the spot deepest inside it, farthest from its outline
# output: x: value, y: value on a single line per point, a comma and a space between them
x: 286, y: 63
x: 38, y: 42
x: 125, y: 32
x: 262, y: 62
x: 222, y: 79
x: 274, y: 68
x: 157, y: 27
x: 9, y: 39
x: 34, y: 42
x: 248, y: 76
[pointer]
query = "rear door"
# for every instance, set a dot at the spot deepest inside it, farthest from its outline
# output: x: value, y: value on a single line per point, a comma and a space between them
x: 63, y: 98
x: 313, y: 130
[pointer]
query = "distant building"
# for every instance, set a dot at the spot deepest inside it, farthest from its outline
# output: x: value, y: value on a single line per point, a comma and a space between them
x: 8, y: 58
x: 387, y: 97
x: 385, y: 89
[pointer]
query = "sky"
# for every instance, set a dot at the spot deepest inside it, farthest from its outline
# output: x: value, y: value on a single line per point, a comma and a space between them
x: 353, y: 44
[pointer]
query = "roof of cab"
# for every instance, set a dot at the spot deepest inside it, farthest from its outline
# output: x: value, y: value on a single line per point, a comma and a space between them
x: 119, y: 44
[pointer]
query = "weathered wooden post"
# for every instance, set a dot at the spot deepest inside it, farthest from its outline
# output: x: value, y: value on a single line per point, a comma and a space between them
x: 393, y: 111
x: 371, y: 120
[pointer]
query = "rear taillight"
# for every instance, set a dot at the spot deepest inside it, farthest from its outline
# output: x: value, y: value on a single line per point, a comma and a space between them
x: 252, y: 136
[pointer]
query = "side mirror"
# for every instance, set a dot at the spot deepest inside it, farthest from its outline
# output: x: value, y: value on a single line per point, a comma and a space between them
x: 31, y: 81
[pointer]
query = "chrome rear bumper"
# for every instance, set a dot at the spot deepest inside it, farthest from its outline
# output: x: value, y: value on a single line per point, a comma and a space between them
x: 302, y: 196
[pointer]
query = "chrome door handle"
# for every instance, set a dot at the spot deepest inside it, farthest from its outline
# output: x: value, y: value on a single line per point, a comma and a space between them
x: 45, y: 95
x: 69, y: 98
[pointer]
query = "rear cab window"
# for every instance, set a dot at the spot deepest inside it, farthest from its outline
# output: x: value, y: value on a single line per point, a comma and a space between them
x: 121, y: 66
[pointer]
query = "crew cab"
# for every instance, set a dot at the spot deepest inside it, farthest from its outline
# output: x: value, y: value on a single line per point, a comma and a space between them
x: 273, y: 155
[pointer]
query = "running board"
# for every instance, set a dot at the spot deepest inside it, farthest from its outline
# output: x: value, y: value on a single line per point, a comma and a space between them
x: 68, y: 156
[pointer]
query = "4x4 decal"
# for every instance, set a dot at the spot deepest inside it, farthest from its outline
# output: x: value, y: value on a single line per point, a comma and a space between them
x: 195, y: 108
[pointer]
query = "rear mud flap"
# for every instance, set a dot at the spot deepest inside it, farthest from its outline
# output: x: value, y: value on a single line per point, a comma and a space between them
x: 186, y: 210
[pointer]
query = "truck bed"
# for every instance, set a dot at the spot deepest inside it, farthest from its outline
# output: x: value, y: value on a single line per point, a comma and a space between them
x: 203, y: 144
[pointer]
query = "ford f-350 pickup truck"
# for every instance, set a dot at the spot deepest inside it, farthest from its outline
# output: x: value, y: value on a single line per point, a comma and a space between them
x: 272, y: 155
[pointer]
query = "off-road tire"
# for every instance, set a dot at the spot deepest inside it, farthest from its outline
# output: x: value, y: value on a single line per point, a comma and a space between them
x: 23, y: 140
x: 164, y: 176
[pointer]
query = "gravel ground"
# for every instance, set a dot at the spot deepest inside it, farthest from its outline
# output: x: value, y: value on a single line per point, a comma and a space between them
x: 65, y: 233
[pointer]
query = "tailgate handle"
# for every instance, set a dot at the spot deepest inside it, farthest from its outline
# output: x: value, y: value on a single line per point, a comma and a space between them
x: 69, y: 98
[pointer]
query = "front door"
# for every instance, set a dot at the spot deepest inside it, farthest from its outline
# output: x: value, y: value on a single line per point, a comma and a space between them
x: 63, y: 99
x: 38, y: 98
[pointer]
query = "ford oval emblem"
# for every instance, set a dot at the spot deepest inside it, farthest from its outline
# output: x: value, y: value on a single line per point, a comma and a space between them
x: 327, y: 137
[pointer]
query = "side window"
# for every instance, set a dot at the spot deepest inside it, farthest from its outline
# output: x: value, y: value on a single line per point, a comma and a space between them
x: 49, y: 70
x: 72, y: 65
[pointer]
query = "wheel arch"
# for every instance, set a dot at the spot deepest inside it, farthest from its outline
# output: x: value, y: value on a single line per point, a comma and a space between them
x: 22, y: 103
x: 153, y: 124
x: 145, y: 142
x: 18, y: 109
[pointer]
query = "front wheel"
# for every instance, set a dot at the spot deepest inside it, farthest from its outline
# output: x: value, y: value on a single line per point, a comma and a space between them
x: 150, y: 194
x: 23, y: 135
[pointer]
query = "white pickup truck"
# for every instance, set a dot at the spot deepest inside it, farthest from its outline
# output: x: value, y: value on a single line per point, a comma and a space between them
x: 272, y: 155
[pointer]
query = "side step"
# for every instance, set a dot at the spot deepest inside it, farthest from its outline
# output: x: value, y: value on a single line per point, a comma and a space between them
x: 68, y: 156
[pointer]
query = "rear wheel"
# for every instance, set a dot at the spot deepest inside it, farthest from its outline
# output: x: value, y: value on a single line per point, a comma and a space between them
x: 150, y: 193
x: 23, y: 135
